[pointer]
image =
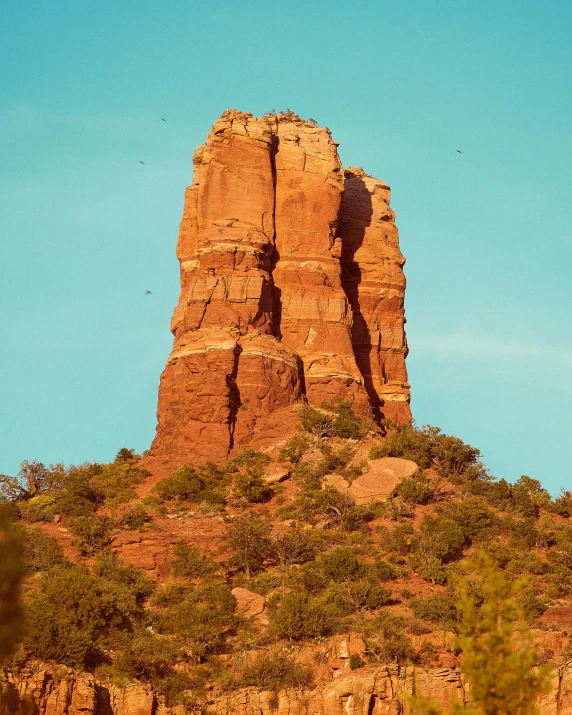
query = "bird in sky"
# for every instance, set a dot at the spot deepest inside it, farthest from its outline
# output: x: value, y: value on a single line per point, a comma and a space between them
x: 163, y: 120
x: 459, y: 151
x: 148, y: 292
x: 141, y: 162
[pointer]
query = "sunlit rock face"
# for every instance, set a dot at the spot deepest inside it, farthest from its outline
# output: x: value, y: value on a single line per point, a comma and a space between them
x: 292, y: 290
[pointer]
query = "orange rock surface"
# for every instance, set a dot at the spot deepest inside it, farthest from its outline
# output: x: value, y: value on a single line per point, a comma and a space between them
x: 291, y: 289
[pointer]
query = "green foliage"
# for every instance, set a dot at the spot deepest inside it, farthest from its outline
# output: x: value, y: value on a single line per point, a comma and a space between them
x: 263, y: 583
x: 251, y: 487
x: 189, y: 563
x: 441, y: 541
x: 273, y: 671
x: 343, y: 423
x: 202, y: 620
x: 128, y: 586
x: 188, y: 484
x: 340, y: 564
x: 39, y: 508
x: 67, y: 616
x: 356, y: 661
x: 134, y: 518
x: 439, y: 609
x: 498, y: 652
x: 147, y: 658
x: 294, y: 450
x: 12, y: 571
x: 389, y: 642
x: 398, y: 540
x: 473, y: 516
x: 299, y: 616
x: 429, y: 447
x: 249, y: 538
x: 316, y: 423
x: 347, y: 424
x: 42, y: 552
x: 126, y: 455
x: 415, y: 490
x: 92, y: 532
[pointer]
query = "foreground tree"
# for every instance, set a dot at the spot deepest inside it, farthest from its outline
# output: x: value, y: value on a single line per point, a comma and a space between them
x: 498, y: 653
x: 11, y: 575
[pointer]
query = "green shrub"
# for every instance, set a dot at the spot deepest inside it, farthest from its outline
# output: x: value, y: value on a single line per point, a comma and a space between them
x: 92, y: 532
x: 67, y: 616
x: 356, y: 661
x: 390, y: 642
x: 263, y: 583
x: 347, y: 424
x: 252, y: 487
x: 473, y: 516
x: 188, y: 484
x: 429, y: 447
x: 398, y: 540
x: 316, y: 423
x: 128, y: 585
x: 40, y: 508
x: 42, y: 552
x: 340, y: 564
x: 126, y: 455
x: 441, y: 537
x: 416, y: 490
x: 12, y: 571
x: 249, y: 538
x: 441, y: 609
x: 202, y: 620
x: 136, y: 517
x: 294, y: 450
x: 184, y: 484
x: 273, y: 671
x: 299, y: 616
x: 189, y: 563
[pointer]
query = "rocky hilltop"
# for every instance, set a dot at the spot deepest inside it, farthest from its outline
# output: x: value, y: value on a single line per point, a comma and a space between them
x: 292, y: 289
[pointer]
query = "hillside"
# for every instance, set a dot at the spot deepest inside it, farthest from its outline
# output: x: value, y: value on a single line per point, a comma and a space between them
x: 202, y: 581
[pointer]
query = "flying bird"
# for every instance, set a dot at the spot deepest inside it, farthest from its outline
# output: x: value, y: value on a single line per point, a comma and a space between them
x: 141, y: 162
x: 459, y: 151
x: 148, y: 292
x: 163, y: 120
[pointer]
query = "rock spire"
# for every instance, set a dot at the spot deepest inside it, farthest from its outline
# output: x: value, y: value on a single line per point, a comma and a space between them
x: 292, y: 289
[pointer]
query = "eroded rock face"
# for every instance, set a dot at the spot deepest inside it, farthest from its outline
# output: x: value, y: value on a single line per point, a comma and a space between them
x: 373, y: 279
x: 383, y: 689
x: 289, y: 292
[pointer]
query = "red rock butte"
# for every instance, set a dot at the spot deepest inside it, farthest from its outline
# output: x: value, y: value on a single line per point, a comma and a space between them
x: 292, y: 290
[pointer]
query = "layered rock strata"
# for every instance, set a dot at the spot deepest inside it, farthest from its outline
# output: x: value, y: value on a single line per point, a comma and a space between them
x: 373, y: 279
x: 290, y: 289
x: 385, y: 689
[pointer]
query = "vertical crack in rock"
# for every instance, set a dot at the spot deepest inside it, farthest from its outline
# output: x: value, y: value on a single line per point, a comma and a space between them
x: 290, y: 290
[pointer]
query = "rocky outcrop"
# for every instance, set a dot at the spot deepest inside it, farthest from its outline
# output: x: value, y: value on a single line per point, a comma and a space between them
x: 291, y: 289
x: 368, y: 691
x: 373, y: 279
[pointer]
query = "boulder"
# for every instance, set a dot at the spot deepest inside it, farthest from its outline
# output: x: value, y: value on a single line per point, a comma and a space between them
x: 277, y: 476
x: 381, y: 479
x: 248, y: 604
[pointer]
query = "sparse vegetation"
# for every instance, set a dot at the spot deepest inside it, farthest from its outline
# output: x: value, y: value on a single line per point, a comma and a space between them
x: 391, y: 571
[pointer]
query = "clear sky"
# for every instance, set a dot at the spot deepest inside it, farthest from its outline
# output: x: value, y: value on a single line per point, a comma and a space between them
x: 85, y: 228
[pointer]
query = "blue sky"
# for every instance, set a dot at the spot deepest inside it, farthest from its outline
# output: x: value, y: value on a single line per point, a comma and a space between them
x: 85, y: 228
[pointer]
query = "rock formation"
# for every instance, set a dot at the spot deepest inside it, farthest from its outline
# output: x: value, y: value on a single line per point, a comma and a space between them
x: 291, y: 289
x: 371, y: 691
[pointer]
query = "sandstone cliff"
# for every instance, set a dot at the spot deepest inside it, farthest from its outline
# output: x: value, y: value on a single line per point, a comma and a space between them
x: 291, y: 289
x: 374, y: 691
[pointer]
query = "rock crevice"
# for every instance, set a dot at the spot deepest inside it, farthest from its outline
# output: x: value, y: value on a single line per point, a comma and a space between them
x: 291, y: 289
